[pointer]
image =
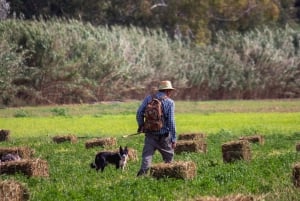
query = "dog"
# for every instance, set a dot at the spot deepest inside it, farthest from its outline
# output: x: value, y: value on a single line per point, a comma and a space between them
x: 119, y: 159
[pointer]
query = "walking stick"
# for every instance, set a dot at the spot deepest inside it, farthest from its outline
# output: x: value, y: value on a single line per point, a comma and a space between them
x: 125, y: 136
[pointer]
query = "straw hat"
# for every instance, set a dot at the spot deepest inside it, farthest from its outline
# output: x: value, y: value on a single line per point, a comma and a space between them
x: 164, y: 85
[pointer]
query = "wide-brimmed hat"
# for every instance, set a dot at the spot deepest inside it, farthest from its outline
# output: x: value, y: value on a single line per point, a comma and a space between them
x: 164, y: 85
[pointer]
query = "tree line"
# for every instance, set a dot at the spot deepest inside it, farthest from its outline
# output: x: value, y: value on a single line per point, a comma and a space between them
x: 188, y: 19
x: 59, y: 52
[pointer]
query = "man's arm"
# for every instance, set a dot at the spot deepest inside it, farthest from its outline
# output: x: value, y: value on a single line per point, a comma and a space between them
x: 140, y: 114
x: 171, y: 122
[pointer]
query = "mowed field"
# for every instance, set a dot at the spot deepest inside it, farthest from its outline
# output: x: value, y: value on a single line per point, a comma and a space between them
x: 267, y: 176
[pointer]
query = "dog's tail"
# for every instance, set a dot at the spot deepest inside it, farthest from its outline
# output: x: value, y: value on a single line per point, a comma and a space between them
x: 92, y: 165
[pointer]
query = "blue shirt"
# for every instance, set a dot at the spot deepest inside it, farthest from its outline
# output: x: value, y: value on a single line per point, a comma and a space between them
x: 169, y: 114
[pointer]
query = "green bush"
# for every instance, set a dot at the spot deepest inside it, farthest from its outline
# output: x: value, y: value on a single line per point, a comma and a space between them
x: 67, y: 61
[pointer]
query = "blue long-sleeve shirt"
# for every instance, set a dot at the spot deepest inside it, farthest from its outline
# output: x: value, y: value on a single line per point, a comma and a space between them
x: 169, y: 114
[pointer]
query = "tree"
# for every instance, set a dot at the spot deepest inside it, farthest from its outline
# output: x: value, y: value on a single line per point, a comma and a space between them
x: 4, y: 9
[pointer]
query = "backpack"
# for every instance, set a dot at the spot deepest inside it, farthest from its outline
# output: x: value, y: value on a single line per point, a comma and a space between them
x: 153, y: 115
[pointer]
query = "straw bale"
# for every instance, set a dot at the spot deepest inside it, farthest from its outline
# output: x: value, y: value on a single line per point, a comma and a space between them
x: 132, y: 154
x: 23, y: 152
x: 4, y: 135
x: 296, y: 174
x: 191, y: 136
x: 13, y: 191
x: 178, y: 170
x: 64, y: 138
x: 29, y: 167
x: 254, y: 139
x: 236, y: 150
x: 110, y: 141
x: 238, y: 197
x: 191, y: 146
x: 298, y: 146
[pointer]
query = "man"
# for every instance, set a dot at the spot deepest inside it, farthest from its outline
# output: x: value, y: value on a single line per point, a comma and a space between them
x: 163, y: 140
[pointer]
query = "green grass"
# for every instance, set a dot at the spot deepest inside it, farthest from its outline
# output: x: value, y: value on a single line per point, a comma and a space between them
x: 118, y: 125
x: 267, y: 175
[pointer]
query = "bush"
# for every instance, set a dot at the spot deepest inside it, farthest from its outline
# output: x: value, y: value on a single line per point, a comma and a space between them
x: 60, y: 61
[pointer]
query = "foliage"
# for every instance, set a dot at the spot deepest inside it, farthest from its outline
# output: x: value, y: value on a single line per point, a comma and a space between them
x: 193, y: 19
x: 4, y: 9
x: 67, y: 61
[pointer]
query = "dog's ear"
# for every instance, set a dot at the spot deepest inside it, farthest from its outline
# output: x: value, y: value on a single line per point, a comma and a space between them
x: 121, y: 149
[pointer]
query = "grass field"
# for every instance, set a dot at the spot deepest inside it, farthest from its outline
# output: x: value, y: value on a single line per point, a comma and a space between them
x: 267, y: 175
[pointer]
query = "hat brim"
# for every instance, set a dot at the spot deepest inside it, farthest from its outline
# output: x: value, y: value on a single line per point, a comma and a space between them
x: 167, y: 88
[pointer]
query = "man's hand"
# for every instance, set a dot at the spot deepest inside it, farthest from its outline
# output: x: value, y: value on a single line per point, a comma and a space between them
x: 140, y: 129
x: 173, y: 145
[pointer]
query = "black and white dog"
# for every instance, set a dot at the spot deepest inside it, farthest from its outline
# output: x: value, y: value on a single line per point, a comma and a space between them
x: 119, y: 159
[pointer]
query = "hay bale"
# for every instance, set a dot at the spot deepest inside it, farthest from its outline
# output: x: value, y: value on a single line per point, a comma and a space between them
x: 191, y: 136
x: 178, y: 170
x: 298, y: 147
x: 13, y: 191
x: 199, y: 146
x: 64, y: 138
x: 296, y: 174
x: 110, y: 141
x: 29, y: 167
x: 23, y: 152
x: 236, y: 150
x: 254, y: 139
x: 4, y: 135
x: 132, y: 154
x: 238, y: 197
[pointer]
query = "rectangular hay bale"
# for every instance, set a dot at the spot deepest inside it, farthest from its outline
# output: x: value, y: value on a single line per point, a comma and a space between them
x: 178, y: 170
x: 110, y: 141
x: 13, y: 191
x: 191, y: 136
x: 254, y: 139
x: 29, y: 167
x: 199, y: 146
x: 298, y: 147
x: 296, y: 175
x: 4, y: 135
x: 23, y: 152
x: 236, y: 150
x: 237, y: 197
x: 65, y: 138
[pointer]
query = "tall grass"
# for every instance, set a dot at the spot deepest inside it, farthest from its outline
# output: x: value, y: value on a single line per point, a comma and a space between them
x: 67, y: 61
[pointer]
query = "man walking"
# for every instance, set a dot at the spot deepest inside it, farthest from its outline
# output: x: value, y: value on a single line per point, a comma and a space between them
x: 163, y: 138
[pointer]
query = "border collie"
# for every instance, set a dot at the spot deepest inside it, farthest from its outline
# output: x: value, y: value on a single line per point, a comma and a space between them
x: 119, y: 159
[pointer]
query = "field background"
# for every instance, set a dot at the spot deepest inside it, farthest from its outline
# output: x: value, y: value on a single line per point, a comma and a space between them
x: 267, y: 176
